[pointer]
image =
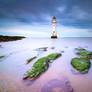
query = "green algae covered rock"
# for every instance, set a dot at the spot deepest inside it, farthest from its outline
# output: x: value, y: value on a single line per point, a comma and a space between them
x: 80, y: 49
x: 80, y: 64
x: 53, y: 56
x: 40, y: 66
x: 29, y: 60
x: 83, y: 53
x: 2, y: 57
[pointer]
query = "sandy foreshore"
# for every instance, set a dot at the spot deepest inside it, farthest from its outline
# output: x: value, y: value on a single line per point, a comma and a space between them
x: 13, y: 65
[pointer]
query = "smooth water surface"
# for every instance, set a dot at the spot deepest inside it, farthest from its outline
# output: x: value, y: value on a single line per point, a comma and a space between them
x: 13, y: 66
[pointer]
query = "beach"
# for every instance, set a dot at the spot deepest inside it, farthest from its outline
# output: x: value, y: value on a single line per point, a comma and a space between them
x: 13, y: 66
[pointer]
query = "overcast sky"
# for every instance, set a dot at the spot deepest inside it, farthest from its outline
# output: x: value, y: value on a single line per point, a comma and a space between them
x: 33, y: 17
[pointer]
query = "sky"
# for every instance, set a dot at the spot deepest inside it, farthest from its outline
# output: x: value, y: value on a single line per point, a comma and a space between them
x: 32, y: 18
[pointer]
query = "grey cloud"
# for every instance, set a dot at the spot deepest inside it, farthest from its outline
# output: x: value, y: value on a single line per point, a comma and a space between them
x: 71, y: 12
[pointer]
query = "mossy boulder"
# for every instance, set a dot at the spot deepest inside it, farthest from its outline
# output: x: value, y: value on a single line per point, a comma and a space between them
x: 80, y: 64
x: 53, y: 56
x: 83, y: 53
x: 29, y: 60
x: 40, y: 66
x: 2, y: 57
x: 80, y: 49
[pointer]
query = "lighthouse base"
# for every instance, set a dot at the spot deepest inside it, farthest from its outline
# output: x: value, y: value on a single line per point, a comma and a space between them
x: 54, y: 37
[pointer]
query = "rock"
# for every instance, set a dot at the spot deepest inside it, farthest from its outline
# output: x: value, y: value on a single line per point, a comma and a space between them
x: 52, y: 47
x: 83, y: 53
x: 40, y: 66
x: 80, y: 64
x: 29, y: 60
x: 53, y: 56
x: 41, y: 49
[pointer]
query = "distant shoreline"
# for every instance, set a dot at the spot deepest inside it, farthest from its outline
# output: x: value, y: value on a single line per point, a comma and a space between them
x: 10, y: 38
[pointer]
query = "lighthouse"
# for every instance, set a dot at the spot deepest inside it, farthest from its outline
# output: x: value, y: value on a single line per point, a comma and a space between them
x: 54, y: 34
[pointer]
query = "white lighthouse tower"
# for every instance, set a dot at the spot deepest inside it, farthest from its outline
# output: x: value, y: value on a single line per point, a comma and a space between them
x: 54, y: 34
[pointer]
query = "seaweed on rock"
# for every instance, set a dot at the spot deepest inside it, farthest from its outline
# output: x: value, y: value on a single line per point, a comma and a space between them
x: 2, y: 57
x: 40, y: 66
x: 53, y: 56
x: 83, y: 53
x: 29, y: 60
x: 80, y: 64
x: 80, y: 49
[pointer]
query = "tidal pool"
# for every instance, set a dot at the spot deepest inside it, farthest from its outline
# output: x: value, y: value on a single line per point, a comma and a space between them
x: 13, y: 66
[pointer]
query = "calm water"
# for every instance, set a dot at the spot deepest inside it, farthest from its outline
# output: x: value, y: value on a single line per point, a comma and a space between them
x: 13, y: 67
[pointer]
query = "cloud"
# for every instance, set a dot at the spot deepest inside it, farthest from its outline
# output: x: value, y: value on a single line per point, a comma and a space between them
x: 69, y: 13
x: 45, y: 31
x: 64, y: 31
x: 61, y: 9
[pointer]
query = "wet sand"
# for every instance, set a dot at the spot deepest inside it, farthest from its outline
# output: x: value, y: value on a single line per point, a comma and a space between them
x: 13, y: 66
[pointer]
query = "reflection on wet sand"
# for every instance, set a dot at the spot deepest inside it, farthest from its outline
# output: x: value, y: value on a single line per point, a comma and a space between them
x: 56, y: 85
